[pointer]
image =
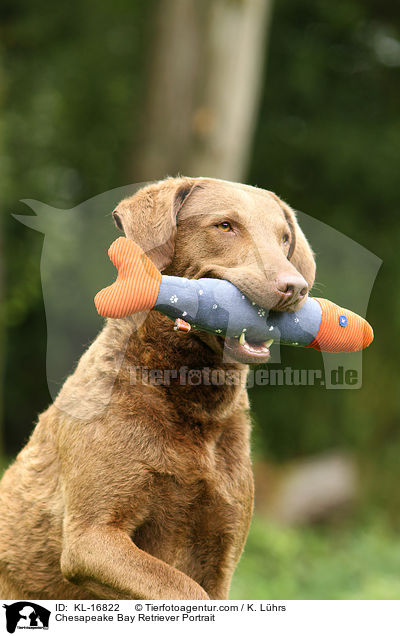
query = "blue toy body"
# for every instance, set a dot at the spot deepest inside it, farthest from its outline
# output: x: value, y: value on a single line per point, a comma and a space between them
x: 218, y: 307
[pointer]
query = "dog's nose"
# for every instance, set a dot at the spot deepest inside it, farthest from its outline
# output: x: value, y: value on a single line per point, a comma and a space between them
x: 292, y: 287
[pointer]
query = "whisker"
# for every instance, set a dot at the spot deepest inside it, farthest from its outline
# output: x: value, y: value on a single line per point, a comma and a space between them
x: 319, y: 286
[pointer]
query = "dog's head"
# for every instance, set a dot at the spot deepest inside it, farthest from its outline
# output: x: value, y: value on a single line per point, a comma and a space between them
x: 212, y: 228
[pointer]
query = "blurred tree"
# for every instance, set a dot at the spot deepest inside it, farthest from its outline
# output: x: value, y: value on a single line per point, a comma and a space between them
x: 204, y: 88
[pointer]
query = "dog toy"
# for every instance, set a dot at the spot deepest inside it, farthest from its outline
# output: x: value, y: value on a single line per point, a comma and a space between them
x: 218, y: 307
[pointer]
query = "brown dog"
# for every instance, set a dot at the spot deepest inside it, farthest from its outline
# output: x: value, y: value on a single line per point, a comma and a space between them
x: 134, y: 489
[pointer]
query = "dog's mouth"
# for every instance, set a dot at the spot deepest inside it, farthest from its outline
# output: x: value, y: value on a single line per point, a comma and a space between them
x: 240, y: 350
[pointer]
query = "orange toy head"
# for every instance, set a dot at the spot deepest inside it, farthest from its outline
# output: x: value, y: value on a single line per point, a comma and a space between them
x: 341, y: 329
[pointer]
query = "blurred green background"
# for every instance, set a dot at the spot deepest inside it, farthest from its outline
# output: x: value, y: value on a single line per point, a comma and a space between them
x: 94, y: 96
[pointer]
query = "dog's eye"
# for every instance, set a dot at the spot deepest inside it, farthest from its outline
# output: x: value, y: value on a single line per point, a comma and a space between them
x: 117, y: 220
x: 285, y: 239
x: 225, y: 226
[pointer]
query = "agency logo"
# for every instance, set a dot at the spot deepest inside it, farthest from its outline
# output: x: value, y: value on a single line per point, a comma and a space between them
x: 26, y: 615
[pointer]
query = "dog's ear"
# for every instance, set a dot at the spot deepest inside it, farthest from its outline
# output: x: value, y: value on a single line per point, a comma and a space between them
x: 149, y: 217
x: 300, y: 252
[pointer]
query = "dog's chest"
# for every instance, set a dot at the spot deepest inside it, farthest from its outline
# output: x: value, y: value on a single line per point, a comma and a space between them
x: 198, y: 517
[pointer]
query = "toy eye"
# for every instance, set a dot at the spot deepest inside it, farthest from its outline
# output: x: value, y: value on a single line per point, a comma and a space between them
x: 225, y: 226
x: 285, y: 239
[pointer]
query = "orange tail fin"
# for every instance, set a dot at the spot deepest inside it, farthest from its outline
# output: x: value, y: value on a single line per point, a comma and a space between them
x: 137, y: 285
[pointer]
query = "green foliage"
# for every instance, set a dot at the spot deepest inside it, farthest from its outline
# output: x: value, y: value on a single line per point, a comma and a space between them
x: 328, y: 142
x: 360, y: 562
x: 72, y: 104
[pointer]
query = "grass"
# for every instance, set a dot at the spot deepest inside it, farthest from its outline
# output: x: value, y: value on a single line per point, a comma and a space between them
x: 318, y: 563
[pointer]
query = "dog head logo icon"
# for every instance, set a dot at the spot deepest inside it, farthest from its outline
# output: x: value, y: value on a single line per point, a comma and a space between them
x: 26, y: 615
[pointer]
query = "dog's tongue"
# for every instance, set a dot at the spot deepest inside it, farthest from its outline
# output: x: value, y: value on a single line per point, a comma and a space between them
x: 247, y: 352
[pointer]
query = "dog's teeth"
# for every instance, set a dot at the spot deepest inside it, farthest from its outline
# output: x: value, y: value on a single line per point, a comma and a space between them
x: 242, y: 338
x: 268, y: 343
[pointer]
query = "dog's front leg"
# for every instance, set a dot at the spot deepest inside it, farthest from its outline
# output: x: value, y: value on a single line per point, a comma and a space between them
x: 104, y: 561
